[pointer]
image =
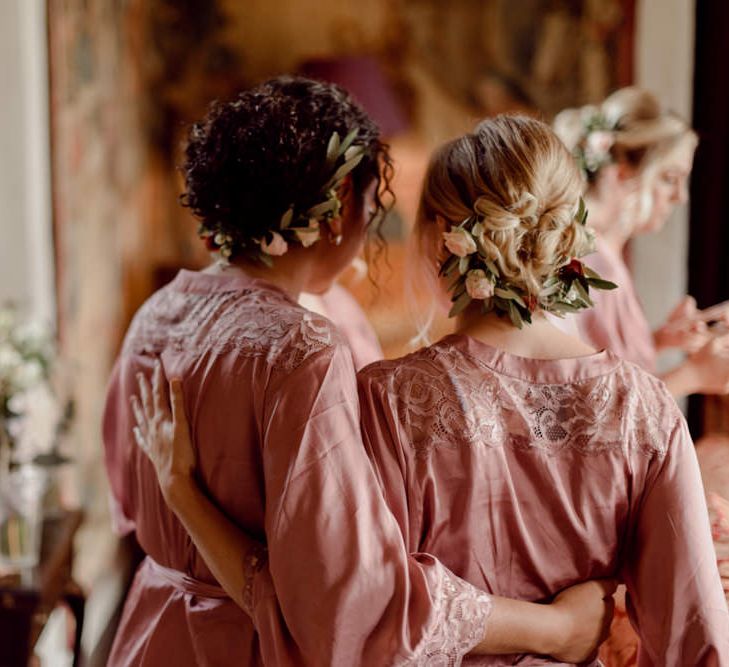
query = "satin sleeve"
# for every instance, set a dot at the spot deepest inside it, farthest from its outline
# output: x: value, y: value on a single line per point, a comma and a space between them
x: 347, y: 591
x: 675, y: 597
x: 118, y: 446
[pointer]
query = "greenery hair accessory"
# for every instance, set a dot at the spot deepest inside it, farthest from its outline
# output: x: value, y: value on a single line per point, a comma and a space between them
x: 593, y: 151
x: 297, y: 225
x: 476, y: 277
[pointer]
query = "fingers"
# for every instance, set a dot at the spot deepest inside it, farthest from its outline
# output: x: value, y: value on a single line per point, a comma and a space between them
x: 145, y: 393
x: 141, y: 440
x: 177, y: 396
x: 139, y: 416
x: 160, y: 397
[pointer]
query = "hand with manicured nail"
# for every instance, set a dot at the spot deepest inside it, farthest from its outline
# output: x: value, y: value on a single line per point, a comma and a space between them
x: 162, y: 430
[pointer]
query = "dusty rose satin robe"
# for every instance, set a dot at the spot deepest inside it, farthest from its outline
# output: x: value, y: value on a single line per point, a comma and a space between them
x: 342, y: 309
x: 526, y: 476
x: 618, y: 321
x: 272, y: 400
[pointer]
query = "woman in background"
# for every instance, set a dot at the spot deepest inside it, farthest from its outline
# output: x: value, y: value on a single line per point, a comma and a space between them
x: 510, y: 450
x: 637, y: 158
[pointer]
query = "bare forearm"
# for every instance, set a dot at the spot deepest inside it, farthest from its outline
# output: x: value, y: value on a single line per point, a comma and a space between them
x: 221, y: 543
x: 516, y: 626
x: 682, y: 380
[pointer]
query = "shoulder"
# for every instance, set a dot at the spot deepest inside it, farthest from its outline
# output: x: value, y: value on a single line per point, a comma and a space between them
x: 256, y: 322
x: 391, y: 374
x: 649, y: 413
x: 265, y: 323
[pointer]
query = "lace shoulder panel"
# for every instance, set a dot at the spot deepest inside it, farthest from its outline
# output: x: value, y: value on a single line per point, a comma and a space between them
x: 250, y: 323
x: 447, y: 400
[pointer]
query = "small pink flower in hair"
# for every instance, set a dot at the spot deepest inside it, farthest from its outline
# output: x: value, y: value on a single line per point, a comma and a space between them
x: 276, y: 247
x: 478, y: 285
x: 599, y: 143
x: 460, y: 242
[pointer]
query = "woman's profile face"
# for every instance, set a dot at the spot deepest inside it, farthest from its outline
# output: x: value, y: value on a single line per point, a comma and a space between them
x: 667, y: 187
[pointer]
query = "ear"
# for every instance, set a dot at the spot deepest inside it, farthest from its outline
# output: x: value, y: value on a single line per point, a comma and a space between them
x: 345, y: 190
x: 335, y: 226
x: 442, y: 225
x: 625, y: 171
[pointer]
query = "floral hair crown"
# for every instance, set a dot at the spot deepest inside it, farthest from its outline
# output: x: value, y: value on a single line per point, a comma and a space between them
x: 296, y: 225
x: 598, y: 136
x: 476, y: 275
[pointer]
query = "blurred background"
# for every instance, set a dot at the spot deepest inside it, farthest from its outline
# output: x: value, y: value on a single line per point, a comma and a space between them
x: 97, y: 98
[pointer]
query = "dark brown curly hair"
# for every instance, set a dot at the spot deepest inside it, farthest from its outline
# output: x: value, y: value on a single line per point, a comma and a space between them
x: 253, y: 157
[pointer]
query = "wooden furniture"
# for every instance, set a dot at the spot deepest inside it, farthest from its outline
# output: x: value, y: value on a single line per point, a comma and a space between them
x: 27, y: 599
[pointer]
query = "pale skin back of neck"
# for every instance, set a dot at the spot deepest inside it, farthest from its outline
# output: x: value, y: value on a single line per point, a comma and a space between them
x: 539, y: 340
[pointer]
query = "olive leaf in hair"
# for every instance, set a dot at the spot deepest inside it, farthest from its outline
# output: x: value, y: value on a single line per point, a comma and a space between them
x: 298, y: 224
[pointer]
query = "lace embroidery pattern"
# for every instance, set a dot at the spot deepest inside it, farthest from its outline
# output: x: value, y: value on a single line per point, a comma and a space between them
x: 461, y: 615
x: 447, y: 400
x: 253, y: 322
x: 253, y: 562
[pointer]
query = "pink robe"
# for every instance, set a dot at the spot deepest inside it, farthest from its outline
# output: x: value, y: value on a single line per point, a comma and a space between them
x: 342, y: 309
x: 271, y: 397
x: 618, y: 321
x: 527, y: 476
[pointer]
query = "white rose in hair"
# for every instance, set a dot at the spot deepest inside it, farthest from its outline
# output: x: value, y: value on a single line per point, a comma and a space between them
x: 276, y: 247
x: 308, y: 236
x: 599, y: 143
x: 478, y: 285
x: 460, y: 242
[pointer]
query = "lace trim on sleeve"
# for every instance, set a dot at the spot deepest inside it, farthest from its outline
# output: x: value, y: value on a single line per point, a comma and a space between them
x: 460, y: 620
x: 253, y: 562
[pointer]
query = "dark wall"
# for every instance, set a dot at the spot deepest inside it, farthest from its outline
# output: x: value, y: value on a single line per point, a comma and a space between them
x: 709, y: 227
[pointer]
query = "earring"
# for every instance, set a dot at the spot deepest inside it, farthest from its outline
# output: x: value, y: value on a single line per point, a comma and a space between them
x: 338, y: 240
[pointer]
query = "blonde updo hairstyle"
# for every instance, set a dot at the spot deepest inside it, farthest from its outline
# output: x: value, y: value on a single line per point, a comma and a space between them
x: 515, y: 174
x: 643, y: 131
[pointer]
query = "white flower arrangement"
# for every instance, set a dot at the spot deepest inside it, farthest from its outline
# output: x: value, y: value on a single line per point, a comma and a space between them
x: 475, y: 275
x: 594, y: 150
x: 30, y: 414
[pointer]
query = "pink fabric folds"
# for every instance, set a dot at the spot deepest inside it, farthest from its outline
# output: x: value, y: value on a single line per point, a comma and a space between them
x: 526, y: 476
x: 271, y: 397
x: 617, y: 322
x: 339, y: 306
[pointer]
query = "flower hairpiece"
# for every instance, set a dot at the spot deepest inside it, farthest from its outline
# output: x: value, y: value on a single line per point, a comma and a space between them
x: 476, y: 276
x: 593, y: 151
x: 298, y: 224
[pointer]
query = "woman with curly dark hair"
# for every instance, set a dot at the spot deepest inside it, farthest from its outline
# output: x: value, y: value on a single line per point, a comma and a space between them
x: 286, y: 179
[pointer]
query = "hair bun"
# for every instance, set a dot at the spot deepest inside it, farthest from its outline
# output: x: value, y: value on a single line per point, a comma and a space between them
x: 526, y: 207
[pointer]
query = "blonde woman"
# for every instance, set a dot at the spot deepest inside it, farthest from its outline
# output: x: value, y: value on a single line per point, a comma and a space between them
x: 285, y: 179
x: 516, y: 454
x: 637, y: 158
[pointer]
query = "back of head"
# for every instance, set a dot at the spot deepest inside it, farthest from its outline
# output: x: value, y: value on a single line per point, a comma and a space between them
x: 269, y: 151
x: 510, y: 194
x: 630, y: 127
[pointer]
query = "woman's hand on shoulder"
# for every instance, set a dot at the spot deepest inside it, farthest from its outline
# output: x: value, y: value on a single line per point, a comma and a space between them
x: 162, y: 432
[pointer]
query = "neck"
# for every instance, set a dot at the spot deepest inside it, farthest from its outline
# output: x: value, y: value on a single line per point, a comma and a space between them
x: 538, y: 340
x: 288, y: 273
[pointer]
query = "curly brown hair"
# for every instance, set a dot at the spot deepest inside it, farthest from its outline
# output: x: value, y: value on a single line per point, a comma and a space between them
x: 253, y: 157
